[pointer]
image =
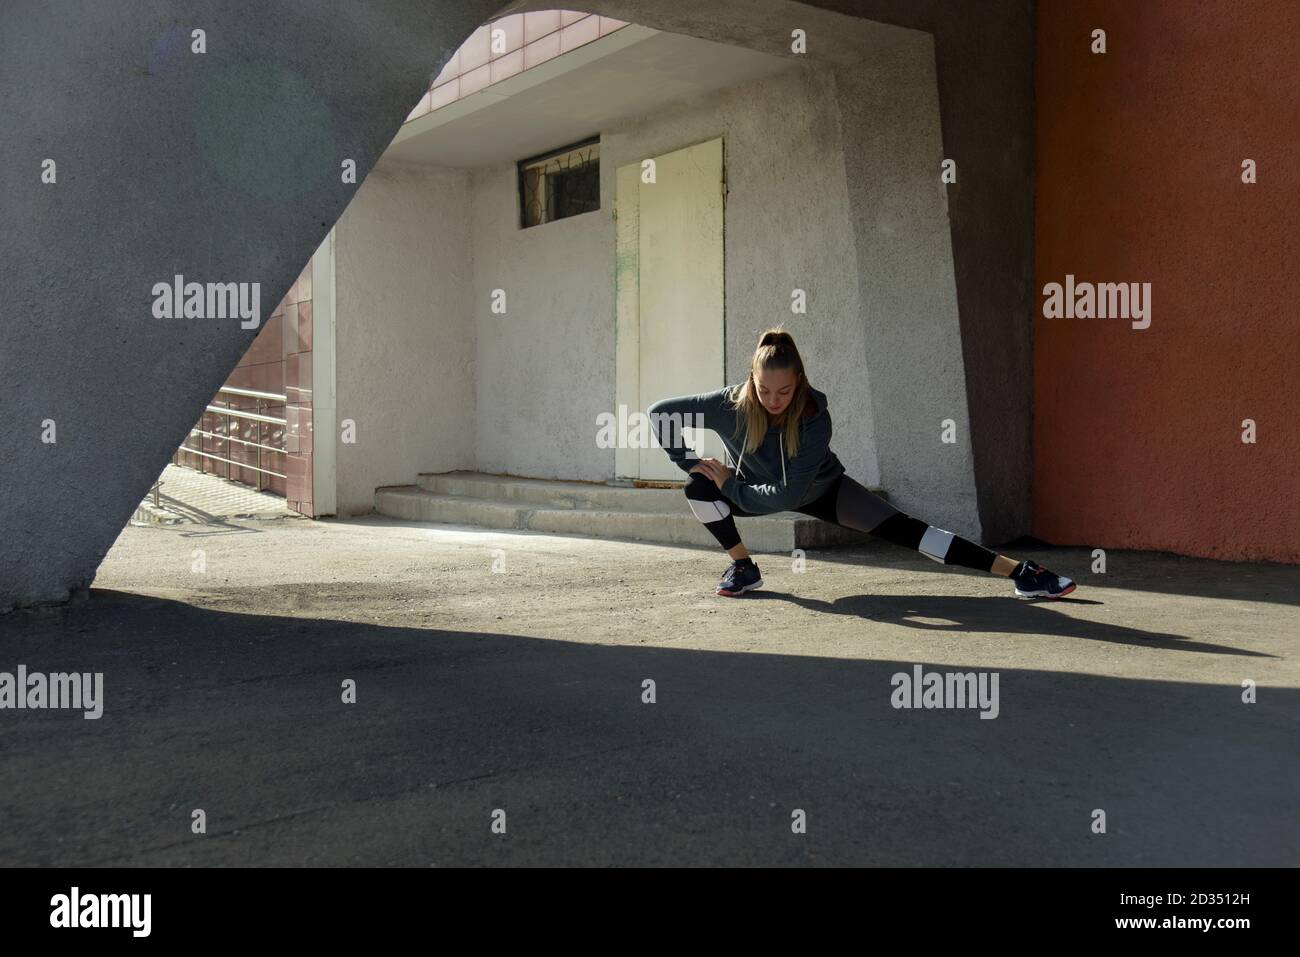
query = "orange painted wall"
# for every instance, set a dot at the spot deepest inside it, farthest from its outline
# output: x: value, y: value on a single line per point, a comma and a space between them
x: 1138, y: 432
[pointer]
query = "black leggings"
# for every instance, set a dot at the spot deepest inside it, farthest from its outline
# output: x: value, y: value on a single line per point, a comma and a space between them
x: 848, y: 504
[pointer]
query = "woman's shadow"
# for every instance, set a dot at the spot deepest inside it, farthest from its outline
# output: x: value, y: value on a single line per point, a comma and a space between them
x: 962, y: 613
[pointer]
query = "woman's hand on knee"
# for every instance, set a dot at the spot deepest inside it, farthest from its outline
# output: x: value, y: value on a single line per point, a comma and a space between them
x: 714, y: 470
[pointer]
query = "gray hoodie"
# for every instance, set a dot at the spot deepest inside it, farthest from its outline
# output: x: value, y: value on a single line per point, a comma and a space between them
x: 766, y: 480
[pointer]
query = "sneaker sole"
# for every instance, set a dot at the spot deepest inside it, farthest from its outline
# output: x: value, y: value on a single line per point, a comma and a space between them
x: 737, y: 594
x: 1044, y: 594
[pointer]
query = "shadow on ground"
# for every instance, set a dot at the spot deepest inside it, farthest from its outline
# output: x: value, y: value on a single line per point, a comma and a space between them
x: 1160, y: 572
x: 240, y: 715
x: 962, y: 613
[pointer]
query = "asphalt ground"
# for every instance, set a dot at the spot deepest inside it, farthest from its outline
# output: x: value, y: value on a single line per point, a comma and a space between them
x: 501, y: 711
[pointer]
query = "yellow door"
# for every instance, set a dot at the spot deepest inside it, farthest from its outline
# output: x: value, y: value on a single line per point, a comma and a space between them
x: 670, y: 291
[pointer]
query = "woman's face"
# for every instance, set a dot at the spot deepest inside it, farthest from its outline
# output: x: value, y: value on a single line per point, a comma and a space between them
x: 775, y: 388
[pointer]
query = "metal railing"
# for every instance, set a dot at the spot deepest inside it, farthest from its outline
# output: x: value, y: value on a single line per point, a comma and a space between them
x: 261, y: 400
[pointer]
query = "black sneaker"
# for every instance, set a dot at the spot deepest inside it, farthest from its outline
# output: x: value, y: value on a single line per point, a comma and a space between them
x: 1034, y: 581
x: 740, y: 578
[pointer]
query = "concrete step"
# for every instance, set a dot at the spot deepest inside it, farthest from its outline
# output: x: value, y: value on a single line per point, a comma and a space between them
x: 592, y: 511
x: 552, y: 494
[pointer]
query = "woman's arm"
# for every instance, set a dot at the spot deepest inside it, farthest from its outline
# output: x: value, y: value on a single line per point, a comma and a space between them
x: 709, y: 410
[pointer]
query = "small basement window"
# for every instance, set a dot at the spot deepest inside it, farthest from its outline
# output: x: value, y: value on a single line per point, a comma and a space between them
x: 562, y: 183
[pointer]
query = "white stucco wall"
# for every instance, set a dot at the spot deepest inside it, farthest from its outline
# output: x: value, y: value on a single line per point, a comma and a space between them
x: 404, y: 331
x: 546, y: 368
x: 436, y: 381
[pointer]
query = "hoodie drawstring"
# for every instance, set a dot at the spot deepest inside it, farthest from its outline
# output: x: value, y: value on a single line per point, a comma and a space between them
x: 780, y: 438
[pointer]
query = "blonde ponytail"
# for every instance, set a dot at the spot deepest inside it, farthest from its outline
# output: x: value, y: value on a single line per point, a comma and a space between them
x: 775, y: 350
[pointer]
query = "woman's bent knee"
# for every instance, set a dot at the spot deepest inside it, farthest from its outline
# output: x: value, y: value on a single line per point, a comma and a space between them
x: 706, y: 501
x: 702, y: 488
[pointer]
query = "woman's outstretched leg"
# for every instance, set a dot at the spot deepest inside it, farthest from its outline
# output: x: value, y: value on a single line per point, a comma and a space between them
x: 717, y: 514
x: 856, y: 507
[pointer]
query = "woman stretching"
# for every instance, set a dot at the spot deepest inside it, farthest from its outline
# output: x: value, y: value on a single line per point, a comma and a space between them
x: 784, y: 463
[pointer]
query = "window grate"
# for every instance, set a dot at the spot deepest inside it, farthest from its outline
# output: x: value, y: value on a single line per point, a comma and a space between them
x: 560, y: 184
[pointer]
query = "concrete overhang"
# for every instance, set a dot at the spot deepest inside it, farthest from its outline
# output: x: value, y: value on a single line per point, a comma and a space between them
x: 630, y: 72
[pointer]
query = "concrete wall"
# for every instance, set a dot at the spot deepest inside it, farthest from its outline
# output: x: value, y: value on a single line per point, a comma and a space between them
x: 889, y: 110
x: 545, y: 366
x: 546, y: 369
x: 1138, y: 434
x: 404, y: 331
x: 984, y: 57
x: 785, y: 195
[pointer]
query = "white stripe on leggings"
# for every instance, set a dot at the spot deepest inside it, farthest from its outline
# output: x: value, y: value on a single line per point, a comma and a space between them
x: 709, y: 511
x: 934, y: 543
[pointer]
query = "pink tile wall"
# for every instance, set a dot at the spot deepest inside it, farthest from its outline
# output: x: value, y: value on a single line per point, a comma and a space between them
x: 526, y: 40
x: 279, y: 360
